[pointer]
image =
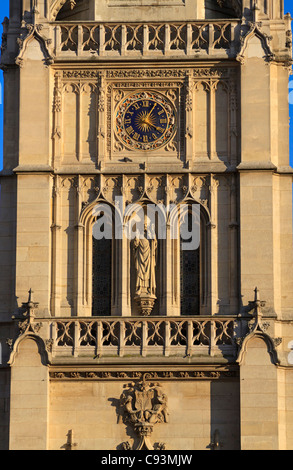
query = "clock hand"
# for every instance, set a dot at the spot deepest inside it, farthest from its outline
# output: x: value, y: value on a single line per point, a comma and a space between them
x: 155, y: 127
x: 151, y: 111
x: 150, y: 124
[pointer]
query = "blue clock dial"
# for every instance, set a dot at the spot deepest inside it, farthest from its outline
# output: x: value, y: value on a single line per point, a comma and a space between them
x: 145, y: 121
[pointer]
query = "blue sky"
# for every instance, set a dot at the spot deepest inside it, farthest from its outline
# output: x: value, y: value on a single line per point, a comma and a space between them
x: 4, y: 11
x: 288, y: 7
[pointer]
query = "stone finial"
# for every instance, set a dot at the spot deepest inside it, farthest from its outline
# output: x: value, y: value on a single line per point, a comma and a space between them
x: 30, y: 305
x: 256, y: 305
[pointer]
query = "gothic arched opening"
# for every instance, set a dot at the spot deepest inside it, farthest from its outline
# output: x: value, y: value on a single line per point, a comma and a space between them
x: 102, y: 274
x: 74, y: 10
x: 215, y: 9
x: 190, y: 281
x: 193, y: 262
x: 102, y: 263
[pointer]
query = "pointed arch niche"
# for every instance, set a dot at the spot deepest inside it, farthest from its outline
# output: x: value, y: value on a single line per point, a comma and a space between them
x: 188, y: 263
x: 97, y: 267
x: 152, y: 244
x: 191, y: 263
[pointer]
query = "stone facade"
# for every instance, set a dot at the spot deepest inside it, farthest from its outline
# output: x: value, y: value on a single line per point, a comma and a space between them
x: 104, y: 350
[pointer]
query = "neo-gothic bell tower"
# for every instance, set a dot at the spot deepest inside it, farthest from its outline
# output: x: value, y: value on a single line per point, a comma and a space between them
x: 177, y: 111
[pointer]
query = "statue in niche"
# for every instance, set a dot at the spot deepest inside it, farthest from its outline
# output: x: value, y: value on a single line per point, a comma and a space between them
x: 145, y: 254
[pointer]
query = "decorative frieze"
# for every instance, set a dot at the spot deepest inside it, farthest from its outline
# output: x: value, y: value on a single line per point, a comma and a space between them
x: 79, y: 73
x: 157, y: 188
x: 197, y: 72
x: 166, y: 375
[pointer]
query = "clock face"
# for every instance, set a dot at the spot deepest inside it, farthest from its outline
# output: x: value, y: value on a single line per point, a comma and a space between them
x: 145, y: 121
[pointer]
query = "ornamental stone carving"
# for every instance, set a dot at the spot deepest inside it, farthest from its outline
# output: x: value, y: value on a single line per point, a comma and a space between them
x: 33, y: 31
x: 258, y: 328
x: 143, y: 405
x: 255, y: 30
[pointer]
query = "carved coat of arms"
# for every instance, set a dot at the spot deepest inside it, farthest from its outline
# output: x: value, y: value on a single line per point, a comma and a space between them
x: 143, y: 405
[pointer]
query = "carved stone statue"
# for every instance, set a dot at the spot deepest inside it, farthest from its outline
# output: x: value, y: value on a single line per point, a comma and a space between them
x: 145, y: 254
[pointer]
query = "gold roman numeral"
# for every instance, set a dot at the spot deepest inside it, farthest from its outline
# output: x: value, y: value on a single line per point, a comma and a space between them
x: 129, y: 130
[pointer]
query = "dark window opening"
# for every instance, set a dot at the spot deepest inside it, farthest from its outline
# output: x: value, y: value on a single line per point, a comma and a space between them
x: 189, y: 278
x: 102, y: 274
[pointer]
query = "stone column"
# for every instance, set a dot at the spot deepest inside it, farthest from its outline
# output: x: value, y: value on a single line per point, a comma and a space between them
x: 101, y: 122
x: 213, y: 247
x: 79, y: 259
x: 56, y: 250
x: 212, y: 120
x: 233, y: 234
x: 189, y: 120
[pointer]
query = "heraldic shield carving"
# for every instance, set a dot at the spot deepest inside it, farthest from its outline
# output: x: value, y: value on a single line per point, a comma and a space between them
x: 143, y: 405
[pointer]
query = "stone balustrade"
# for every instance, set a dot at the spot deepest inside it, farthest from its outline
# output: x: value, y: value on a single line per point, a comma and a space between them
x: 133, y: 40
x: 140, y: 336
